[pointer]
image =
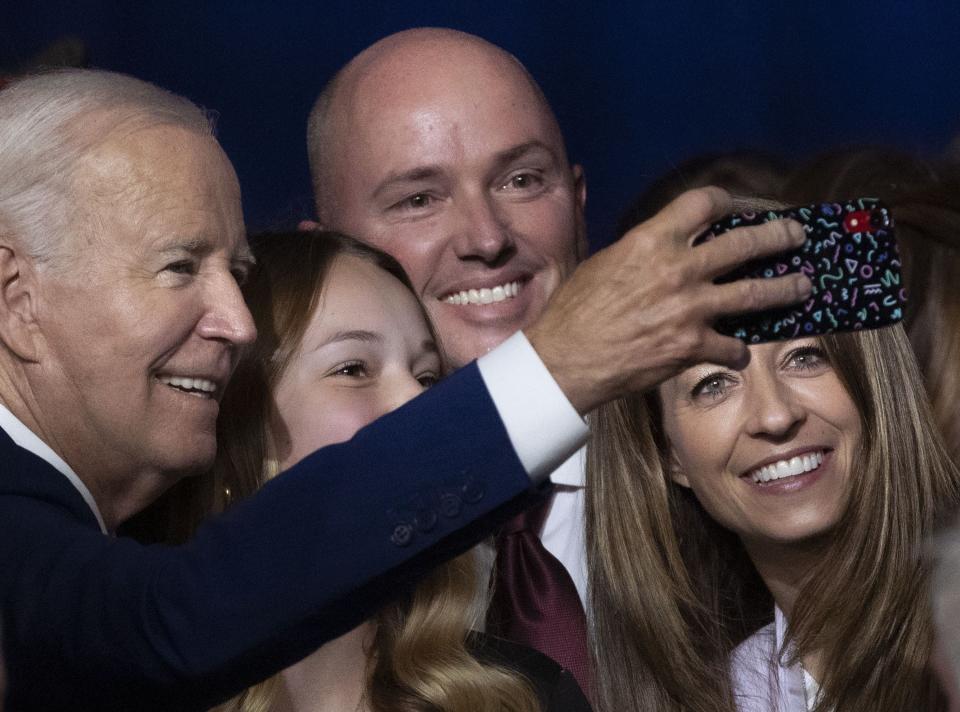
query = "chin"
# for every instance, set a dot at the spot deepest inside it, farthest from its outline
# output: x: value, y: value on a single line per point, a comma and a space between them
x: 190, y: 461
x: 460, y: 352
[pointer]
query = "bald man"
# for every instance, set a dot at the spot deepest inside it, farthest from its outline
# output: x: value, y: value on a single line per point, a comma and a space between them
x: 439, y: 148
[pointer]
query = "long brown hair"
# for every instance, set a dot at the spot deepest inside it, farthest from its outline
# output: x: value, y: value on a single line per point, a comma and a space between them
x: 924, y: 197
x: 419, y: 658
x: 673, y: 593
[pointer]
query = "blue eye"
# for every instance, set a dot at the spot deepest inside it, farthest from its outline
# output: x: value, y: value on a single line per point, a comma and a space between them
x: 713, y: 386
x: 807, y: 358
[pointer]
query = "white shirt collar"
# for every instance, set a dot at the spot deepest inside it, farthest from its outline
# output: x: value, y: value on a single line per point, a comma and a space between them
x: 28, y: 440
x: 572, y: 472
x: 804, y: 697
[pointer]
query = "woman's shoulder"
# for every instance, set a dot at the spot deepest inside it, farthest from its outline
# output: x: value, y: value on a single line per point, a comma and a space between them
x: 555, y: 687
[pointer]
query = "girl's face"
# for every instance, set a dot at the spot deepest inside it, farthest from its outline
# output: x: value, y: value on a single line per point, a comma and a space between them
x: 768, y: 451
x: 366, y: 351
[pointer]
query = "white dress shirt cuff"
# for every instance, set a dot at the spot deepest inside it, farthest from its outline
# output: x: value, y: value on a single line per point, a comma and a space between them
x: 543, y: 427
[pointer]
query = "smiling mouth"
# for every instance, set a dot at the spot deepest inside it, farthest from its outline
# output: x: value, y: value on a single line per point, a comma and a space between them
x: 197, y: 387
x: 486, y: 295
x: 797, y: 465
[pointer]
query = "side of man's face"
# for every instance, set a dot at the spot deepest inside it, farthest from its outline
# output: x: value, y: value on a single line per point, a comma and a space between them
x: 461, y: 176
x: 142, y: 334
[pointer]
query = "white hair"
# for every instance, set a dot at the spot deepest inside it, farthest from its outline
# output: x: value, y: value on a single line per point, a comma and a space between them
x: 47, y: 127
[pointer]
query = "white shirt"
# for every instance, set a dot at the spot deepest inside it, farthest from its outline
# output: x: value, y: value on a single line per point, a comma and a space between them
x: 563, y: 533
x: 542, y: 436
x: 28, y: 440
x: 761, y: 683
x: 563, y: 529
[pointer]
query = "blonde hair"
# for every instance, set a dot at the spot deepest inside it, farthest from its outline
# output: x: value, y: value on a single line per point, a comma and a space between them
x: 673, y: 593
x: 420, y: 658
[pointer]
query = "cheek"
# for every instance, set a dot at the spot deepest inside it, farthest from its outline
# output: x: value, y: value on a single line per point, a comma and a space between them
x: 702, y: 445
x: 417, y: 246
x: 550, y: 229
x: 325, y: 419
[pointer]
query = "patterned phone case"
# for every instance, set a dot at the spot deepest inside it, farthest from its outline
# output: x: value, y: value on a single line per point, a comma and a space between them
x: 850, y: 256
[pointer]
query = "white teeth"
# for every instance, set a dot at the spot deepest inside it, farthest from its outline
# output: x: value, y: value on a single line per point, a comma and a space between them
x: 189, y: 384
x: 788, y: 468
x: 486, y: 295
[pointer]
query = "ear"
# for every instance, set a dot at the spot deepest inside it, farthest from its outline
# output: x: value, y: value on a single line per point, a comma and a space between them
x: 676, y: 472
x: 308, y: 225
x: 580, y: 196
x: 18, y: 303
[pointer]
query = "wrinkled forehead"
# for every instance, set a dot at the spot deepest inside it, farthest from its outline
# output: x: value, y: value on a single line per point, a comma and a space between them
x: 159, y: 178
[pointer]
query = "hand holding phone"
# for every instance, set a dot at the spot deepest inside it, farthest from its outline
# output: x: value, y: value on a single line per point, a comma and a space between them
x: 851, y: 258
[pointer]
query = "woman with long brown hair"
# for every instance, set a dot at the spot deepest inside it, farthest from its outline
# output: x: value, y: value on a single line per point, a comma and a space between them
x: 755, y: 535
x: 343, y: 340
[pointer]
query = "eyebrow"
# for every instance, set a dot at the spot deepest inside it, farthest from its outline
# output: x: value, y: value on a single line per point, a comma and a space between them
x: 353, y: 335
x: 367, y: 337
x: 413, y: 175
x: 193, y: 245
x: 517, y: 152
x: 202, y: 246
x: 245, y: 254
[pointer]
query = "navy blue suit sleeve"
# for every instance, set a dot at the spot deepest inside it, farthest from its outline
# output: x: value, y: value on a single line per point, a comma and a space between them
x: 92, y: 622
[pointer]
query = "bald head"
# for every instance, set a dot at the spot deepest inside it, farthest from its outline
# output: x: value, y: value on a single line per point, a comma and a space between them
x: 440, y: 149
x: 412, y: 68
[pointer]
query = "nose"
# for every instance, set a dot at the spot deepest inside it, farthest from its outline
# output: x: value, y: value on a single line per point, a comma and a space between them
x: 483, y: 233
x: 226, y: 317
x: 774, y: 409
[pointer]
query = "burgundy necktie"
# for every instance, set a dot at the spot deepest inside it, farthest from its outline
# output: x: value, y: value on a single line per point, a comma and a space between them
x: 535, y: 601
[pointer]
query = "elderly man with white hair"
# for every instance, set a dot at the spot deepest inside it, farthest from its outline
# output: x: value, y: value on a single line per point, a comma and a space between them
x: 121, y: 252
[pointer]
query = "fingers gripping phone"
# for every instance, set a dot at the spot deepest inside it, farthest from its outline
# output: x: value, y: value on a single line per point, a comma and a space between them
x: 851, y: 257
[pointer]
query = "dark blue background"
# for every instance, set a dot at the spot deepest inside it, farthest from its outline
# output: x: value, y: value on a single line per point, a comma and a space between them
x: 637, y: 86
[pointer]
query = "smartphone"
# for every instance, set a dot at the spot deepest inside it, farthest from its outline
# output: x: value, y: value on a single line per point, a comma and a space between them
x: 851, y: 257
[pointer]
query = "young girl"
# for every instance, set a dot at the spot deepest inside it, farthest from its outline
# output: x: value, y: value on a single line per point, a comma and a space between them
x: 343, y: 340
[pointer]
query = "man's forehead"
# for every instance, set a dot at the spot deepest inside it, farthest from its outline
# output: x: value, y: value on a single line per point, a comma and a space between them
x: 160, y: 182
x: 442, y: 119
x: 437, y: 77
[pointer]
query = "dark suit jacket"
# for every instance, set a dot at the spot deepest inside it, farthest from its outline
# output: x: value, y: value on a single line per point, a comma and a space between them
x: 96, y: 622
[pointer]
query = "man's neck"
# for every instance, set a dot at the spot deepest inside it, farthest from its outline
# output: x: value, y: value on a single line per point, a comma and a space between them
x: 111, y: 508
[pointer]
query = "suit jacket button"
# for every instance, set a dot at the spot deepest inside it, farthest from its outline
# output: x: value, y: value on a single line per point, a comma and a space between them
x: 425, y: 520
x: 450, y: 504
x: 473, y: 491
x: 402, y: 534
